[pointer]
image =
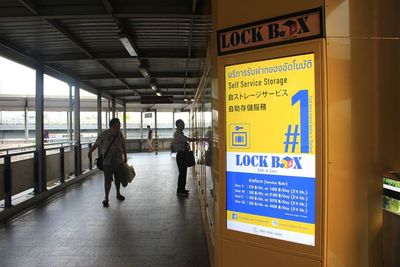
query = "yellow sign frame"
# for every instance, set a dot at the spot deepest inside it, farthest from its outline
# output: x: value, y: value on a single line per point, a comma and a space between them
x: 316, y: 48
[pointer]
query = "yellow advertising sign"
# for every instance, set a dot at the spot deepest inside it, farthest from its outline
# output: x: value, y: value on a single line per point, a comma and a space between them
x: 270, y: 139
x: 262, y: 95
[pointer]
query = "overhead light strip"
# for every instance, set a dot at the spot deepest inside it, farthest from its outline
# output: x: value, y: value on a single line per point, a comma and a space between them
x: 127, y: 44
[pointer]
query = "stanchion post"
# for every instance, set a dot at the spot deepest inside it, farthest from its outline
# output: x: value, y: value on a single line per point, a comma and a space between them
x: 76, y: 151
x: 62, y: 165
x: 80, y: 158
x: 7, y: 181
x: 44, y: 172
x: 90, y: 159
x: 36, y: 189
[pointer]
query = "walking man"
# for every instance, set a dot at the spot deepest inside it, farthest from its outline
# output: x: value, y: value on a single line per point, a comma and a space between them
x: 113, y: 141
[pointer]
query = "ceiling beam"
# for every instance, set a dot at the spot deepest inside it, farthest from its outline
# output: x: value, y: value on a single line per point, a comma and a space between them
x: 6, y: 16
x: 115, y: 56
x: 18, y: 55
x: 155, y: 75
x: 70, y: 37
x: 144, y: 87
x: 30, y: 5
x: 194, y: 6
x: 34, y: 9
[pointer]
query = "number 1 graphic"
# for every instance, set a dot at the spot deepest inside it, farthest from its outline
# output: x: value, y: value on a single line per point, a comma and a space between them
x: 302, y: 97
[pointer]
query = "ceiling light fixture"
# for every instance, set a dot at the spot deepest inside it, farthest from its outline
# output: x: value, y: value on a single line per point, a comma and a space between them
x: 153, y: 86
x: 125, y: 40
x: 144, y: 72
x: 158, y: 93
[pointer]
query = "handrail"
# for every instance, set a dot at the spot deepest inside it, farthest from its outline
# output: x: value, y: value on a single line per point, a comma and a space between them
x: 17, y: 154
x: 47, y: 148
x: 16, y: 148
x: 33, y: 148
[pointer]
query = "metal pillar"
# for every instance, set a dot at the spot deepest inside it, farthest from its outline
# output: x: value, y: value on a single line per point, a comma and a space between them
x: 71, y: 108
x: 26, y: 122
x: 108, y: 112
x: 113, y: 108
x: 141, y: 130
x: 99, y: 109
x: 39, y: 127
x: 77, y: 130
x: 173, y: 120
x: 99, y: 118
x: 155, y: 132
x: 124, y: 121
x: 7, y: 181
x: 62, y: 165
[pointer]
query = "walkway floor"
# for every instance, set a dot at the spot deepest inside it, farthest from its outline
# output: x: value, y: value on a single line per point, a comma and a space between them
x: 152, y: 227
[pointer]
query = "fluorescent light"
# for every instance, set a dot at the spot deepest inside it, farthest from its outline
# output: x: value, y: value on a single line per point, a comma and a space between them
x: 144, y: 72
x: 158, y: 93
x: 153, y: 86
x: 127, y: 44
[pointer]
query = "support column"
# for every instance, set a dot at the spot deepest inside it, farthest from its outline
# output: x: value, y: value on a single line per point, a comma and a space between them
x: 99, y: 118
x: 77, y: 130
x: 124, y: 121
x: 155, y: 132
x: 173, y: 120
x: 40, y: 181
x: 113, y: 108
x: 71, y: 108
x: 108, y: 112
x: 26, y: 122
x: 99, y: 111
x: 141, y: 130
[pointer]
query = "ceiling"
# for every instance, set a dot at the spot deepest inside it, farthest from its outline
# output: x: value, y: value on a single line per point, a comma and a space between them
x: 82, y: 41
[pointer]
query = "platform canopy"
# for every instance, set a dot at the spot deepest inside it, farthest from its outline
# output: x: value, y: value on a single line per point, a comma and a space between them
x: 122, y: 49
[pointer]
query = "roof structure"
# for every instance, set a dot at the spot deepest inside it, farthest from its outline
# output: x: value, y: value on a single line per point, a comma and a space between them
x: 124, y: 49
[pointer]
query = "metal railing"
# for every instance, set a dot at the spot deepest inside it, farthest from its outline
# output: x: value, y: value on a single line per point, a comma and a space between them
x: 27, y: 152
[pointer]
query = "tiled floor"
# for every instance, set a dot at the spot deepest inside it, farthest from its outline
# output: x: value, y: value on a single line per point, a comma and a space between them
x: 152, y: 227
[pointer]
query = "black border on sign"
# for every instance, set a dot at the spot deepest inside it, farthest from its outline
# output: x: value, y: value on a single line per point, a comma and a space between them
x: 320, y: 35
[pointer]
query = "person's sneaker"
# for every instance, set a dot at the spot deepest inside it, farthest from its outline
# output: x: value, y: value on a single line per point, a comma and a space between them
x: 105, y: 204
x: 120, y: 197
x: 182, y: 194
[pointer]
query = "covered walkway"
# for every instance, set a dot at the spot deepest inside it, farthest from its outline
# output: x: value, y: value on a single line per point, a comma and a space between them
x: 152, y: 227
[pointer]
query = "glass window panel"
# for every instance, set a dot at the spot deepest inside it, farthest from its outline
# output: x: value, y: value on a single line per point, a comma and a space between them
x: 88, y: 126
x: 86, y: 94
x: 148, y: 119
x: 55, y: 87
x: 133, y: 130
x: 165, y: 124
x: 10, y: 78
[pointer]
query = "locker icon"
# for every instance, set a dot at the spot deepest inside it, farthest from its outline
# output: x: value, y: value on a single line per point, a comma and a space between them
x: 239, y: 135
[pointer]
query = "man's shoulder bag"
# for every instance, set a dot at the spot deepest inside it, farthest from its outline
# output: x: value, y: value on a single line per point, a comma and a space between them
x: 100, y: 159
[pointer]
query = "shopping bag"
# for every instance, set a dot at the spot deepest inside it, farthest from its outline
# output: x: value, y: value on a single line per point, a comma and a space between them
x: 128, y: 174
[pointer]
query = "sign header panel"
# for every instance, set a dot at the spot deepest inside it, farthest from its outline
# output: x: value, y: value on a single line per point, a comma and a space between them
x: 295, y: 27
x: 270, y: 140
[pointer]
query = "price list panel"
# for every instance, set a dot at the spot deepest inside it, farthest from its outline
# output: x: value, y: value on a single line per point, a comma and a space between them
x: 272, y: 196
